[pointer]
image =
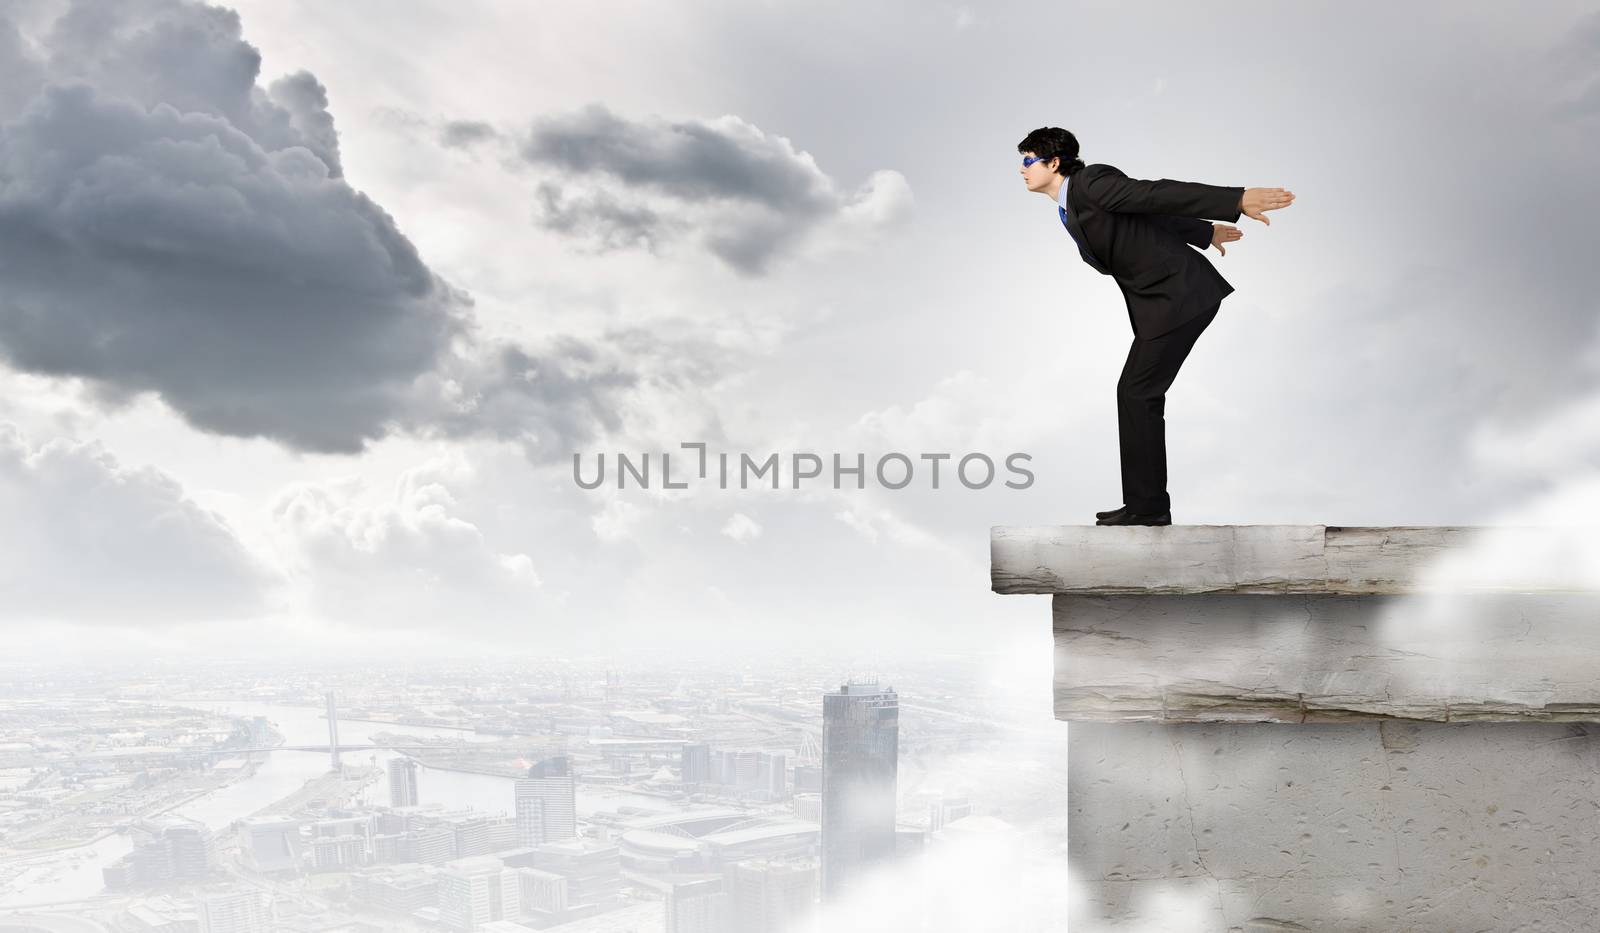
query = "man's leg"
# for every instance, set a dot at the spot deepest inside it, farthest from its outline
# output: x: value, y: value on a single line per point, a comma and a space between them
x: 1151, y: 367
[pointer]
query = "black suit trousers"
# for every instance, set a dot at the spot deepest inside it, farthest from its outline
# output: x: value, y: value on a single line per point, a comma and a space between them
x: 1141, y: 403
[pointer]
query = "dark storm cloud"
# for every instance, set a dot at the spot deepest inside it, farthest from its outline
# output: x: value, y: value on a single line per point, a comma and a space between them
x: 599, y: 218
x: 549, y: 401
x: 190, y: 57
x: 305, y: 102
x: 168, y: 226
x: 153, y: 250
x: 745, y: 193
x: 726, y: 159
x: 19, y: 74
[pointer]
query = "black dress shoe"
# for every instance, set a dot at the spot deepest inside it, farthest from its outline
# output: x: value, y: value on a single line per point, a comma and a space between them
x: 1116, y: 511
x: 1133, y: 518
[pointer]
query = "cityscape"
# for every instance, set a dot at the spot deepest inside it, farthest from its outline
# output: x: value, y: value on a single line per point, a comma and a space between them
x: 577, y: 796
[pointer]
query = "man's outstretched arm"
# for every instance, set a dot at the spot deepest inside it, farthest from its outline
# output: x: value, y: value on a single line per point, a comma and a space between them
x: 1111, y: 190
x: 1201, y: 233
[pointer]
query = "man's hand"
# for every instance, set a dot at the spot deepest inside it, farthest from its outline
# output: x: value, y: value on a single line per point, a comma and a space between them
x: 1257, y: 200
x: 1222, y: 233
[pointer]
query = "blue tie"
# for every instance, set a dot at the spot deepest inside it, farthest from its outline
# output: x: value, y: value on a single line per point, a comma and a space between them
x: 1082, y: 250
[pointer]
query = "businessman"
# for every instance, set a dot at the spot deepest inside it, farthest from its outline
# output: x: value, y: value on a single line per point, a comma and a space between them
x: 1135, y: 231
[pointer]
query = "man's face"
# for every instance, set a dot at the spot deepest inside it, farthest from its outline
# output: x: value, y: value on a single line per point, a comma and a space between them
x: 1037, y: 176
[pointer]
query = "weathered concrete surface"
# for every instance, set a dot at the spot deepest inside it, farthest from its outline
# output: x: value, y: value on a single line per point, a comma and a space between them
x: 1268, y: 559
x: 1378, y: 825
x: 1309, y: 658
x: 1324, y: 728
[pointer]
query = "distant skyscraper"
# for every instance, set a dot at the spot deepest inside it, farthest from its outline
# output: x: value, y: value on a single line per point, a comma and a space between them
x: 547, y: 803
x: 742, y: 766
x: 772, y: 773
x: 403, y: 782
x: 696, y: 765
x: 860, y: 747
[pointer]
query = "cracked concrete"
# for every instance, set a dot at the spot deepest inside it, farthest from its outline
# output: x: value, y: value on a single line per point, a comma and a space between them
x: 1199, y: 856
x: 1439, y: 826
x: 1312, y: 728
x: 1276, y: 559
x: 1310, y: 658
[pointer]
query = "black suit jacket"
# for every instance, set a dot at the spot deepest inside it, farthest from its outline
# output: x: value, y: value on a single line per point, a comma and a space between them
x: 1138, y: 230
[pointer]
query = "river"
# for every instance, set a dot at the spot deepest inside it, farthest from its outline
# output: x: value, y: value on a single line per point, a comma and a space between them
x: 74, y: 874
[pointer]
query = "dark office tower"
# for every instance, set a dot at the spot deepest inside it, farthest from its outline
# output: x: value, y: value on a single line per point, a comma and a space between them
x: 402, y: 783
x: 696, y: 763
x: 860, y: 744
x: 547, y: 803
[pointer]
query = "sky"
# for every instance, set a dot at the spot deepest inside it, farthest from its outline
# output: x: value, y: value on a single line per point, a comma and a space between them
x: 305, y: 308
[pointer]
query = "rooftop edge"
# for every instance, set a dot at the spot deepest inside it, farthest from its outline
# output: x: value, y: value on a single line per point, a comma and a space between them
x: 1285, y: 559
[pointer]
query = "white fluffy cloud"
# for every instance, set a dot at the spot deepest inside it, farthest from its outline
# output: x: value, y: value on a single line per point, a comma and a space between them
x: 411, y: 562
x: 741, y: 527
x: 89, y: 540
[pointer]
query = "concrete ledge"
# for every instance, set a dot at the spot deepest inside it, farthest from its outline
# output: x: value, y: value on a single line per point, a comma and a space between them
x: 1324, y: 658
x: 1263, y: 559
x: 1307, y: 727
x: 1313, y: 623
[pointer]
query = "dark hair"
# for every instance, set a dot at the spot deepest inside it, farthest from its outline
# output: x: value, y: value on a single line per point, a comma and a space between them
x: 1048, y: 142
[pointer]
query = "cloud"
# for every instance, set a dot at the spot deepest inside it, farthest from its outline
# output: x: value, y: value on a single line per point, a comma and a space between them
x: 741, y: 527
x: 168, y: 226
x: 745, y: 195
x: 89, y: 540
x: 1551, y: 537
x: 465, y: 133
x: 618, y: 520
x: 1561, y: 443
x: 412, y: 562
x: 153, y: 250
x: 601, y: 220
